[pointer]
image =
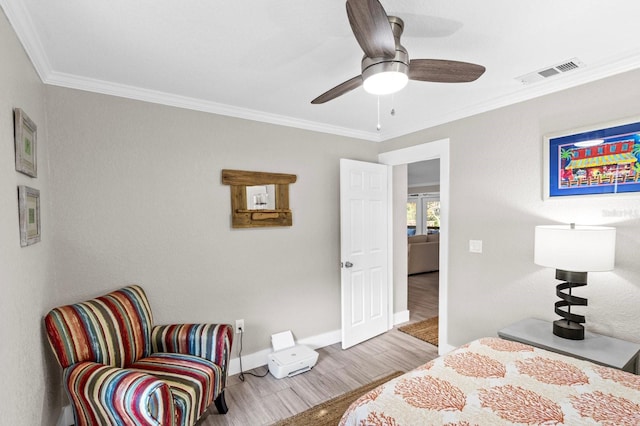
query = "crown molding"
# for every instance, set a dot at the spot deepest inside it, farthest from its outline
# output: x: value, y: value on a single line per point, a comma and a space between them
x: 22, y: 24
x: 24, y: 27
x: 589, y: 74
x: 157, y: 97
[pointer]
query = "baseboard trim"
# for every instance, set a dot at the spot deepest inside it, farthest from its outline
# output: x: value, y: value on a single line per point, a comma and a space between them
x: 445, y: 348
x: 249, y: 361
x: 66, y: 416
x: 258, y: 359
x: 401, y: 317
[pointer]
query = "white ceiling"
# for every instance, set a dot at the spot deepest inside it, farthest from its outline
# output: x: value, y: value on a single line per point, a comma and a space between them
x: 266, y: 60
x: 423, y: 173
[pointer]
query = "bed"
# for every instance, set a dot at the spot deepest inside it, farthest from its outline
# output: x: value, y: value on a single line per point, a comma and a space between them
x: 491, y: 381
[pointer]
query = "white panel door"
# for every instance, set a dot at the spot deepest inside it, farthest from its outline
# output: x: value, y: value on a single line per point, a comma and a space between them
x: 364, y: 236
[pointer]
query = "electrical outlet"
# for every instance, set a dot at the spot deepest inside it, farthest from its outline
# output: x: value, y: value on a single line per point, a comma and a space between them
x: 240, y: 326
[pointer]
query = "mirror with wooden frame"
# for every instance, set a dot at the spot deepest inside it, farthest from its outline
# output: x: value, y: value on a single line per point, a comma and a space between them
x: 259, y: 199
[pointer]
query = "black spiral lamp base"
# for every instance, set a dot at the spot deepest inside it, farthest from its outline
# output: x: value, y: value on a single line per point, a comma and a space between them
x: 571, y: 326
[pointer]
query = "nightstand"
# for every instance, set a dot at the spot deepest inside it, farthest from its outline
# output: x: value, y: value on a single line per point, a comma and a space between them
x: 597, y: 348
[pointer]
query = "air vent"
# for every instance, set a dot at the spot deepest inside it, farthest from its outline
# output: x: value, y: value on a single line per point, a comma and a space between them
x: 568, y: 66
x: 544, y: 73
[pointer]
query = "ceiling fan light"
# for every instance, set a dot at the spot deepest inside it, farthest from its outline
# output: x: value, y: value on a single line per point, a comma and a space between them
x: 385, y: 83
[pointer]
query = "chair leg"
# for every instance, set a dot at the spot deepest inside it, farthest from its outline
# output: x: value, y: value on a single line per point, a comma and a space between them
x: 221, y: 404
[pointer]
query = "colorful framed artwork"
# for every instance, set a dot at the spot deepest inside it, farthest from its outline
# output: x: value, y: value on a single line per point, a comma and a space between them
x: 29, y: 212
x: 594, y: 161
x: 25, y: 135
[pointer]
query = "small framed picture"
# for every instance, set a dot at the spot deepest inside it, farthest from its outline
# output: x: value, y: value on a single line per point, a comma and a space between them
x: 26, y: 143
x: 29, y: 212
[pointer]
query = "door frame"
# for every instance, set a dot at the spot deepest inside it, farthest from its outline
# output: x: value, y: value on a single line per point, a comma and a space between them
x: 438, y: 149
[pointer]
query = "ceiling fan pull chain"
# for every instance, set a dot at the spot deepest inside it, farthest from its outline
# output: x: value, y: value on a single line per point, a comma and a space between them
x: 378, y: 127
x: 393, y: 101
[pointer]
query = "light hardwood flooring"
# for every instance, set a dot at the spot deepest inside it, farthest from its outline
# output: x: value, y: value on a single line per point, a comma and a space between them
x: 263, y: 401
x: 423, y: 296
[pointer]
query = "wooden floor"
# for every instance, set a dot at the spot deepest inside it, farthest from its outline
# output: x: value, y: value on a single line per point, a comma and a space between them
x: 263, y: 401
x: 423, y: 296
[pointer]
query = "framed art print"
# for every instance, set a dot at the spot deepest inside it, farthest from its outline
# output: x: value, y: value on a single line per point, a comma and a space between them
x: 25, y: 135
x: 29, y: 213
x: 595, y: 161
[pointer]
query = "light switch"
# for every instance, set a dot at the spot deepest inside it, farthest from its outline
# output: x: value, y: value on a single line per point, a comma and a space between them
x: 475, y: 246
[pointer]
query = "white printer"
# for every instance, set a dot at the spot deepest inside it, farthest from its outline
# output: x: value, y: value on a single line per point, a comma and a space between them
x: 289, y: 359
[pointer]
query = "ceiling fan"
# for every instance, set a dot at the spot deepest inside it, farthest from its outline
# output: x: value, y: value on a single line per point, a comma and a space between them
x: 386, y: 67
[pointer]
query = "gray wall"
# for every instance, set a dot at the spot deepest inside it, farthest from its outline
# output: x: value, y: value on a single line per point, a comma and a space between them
x: 400, y: 255
x: 139, y: 199
x: 30, y: 384
x: 131, y: 193
x: 496, y: 187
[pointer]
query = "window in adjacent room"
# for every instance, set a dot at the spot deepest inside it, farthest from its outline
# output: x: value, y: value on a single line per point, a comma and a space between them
x: 432, y: 216
x: 423, y: 213
x: 412, y: 211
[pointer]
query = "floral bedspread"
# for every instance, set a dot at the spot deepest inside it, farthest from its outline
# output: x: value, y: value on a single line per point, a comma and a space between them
x: 492, y: 381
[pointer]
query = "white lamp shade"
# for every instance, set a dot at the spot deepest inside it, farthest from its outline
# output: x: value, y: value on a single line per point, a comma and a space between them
x: 579, y: 249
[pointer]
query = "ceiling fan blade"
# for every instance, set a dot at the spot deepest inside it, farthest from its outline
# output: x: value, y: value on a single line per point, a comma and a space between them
x: 370, y: 25
x: 339, y: 90
x: 443, y: 71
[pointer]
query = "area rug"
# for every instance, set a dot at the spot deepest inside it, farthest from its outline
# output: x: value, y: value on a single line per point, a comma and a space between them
x: 426, y: 330
x: 329, y: 413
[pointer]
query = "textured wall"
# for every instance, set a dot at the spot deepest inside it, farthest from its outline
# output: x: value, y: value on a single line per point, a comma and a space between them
x: 29, y: 394
x: 496, y: 187
x: 139, y: 199
x: 400, y: 256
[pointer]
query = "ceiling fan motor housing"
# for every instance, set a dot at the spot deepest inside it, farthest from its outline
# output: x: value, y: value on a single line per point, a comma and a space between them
x: 399, y: 63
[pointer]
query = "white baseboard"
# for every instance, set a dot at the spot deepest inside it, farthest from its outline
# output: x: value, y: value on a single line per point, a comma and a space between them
x: 445, y: 348
x: 322, y: 340
x: 258, y: 359
x: 66, y: 416
x: 400, y: 317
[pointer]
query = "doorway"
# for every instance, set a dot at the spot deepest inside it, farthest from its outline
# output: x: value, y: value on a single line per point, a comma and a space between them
x: 423, y: 221
x: 428, y: 151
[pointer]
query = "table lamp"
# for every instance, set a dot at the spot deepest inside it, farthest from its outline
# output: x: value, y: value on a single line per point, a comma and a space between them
x: 573, y: 251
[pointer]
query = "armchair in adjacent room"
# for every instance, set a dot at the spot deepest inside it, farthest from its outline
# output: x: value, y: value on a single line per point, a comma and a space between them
x: 120, y: 369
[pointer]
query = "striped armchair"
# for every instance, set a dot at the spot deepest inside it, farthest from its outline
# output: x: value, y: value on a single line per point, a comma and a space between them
x: 120, y: 369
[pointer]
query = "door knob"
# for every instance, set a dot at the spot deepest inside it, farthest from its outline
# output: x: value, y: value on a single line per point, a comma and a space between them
x: 348, y: 264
